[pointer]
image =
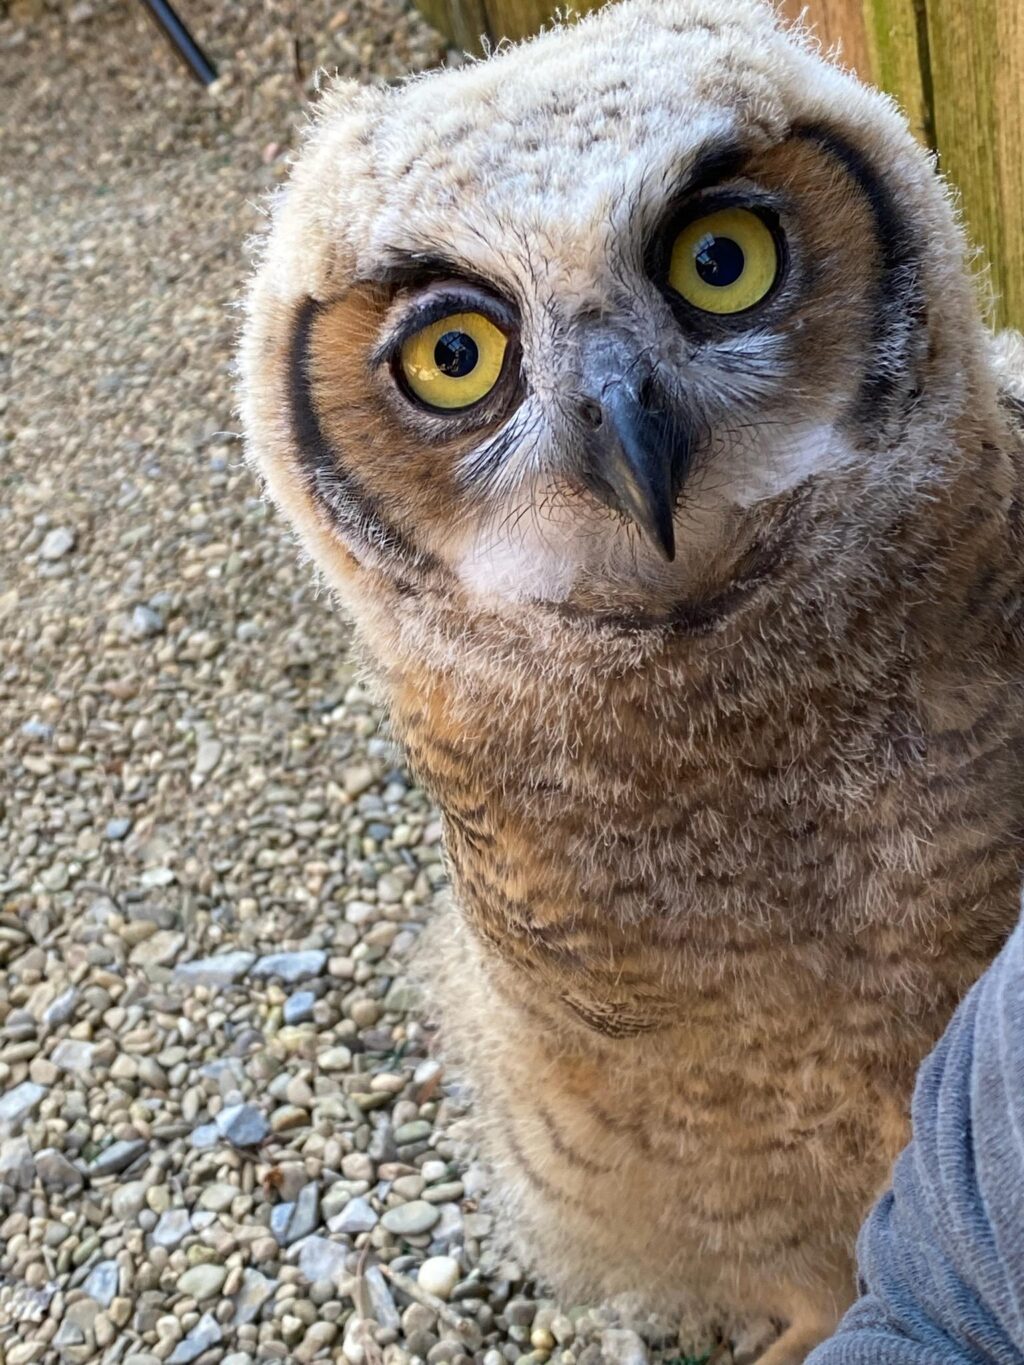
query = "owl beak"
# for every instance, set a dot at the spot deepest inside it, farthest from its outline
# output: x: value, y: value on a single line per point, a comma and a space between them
x: 636, y: 460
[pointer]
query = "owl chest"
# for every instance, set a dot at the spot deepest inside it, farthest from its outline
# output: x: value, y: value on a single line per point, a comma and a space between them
x: 694, y: 907
x: 643, y: 877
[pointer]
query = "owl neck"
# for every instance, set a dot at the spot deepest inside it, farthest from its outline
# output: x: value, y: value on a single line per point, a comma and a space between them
x: 782, y: 773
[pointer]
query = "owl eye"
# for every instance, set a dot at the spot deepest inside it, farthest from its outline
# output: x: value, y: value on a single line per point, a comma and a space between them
x: 454, y: 362
x: 725, y: 262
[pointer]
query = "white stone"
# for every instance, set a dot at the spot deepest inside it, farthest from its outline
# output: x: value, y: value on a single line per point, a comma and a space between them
x: 439, y: 1275
x: 208, y: 755
x: 72, y: 1055
x: 57, y: 543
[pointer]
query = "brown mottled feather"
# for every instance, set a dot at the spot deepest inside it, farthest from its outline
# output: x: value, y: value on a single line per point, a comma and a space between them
x: 728, y: 839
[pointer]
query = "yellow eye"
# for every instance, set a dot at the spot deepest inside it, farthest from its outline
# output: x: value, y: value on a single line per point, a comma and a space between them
x: 725, y: 262
x: 455, y: 361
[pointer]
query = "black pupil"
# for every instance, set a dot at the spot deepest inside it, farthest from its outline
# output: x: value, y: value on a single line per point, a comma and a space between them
x: 720, y: 261
x: 456, y: 354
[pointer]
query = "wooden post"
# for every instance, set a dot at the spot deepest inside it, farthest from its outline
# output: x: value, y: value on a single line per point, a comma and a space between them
x: 838, y: 23
x: 977, y: 74
x: 898, y: 59
x: 463, y: 22
x: 466, y: 22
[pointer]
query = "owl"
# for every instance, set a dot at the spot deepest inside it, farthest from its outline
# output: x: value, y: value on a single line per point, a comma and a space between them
x: 631, y: 390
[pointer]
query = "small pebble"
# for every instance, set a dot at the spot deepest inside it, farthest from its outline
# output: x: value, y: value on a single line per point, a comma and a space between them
x: 410, y: 1219
x: 57, y: 543
x: 439, y: 1275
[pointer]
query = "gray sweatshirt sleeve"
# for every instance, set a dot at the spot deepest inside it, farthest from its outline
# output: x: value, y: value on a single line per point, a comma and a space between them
x: 942, y: 1254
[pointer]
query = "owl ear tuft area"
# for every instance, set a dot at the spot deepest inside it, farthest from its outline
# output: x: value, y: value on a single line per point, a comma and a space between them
x: 341, y: 96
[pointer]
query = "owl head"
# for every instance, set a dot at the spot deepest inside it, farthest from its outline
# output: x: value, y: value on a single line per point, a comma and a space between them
x: 611, y: 322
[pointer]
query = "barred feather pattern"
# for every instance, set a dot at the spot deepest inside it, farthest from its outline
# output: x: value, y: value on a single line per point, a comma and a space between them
x: 716, y: 893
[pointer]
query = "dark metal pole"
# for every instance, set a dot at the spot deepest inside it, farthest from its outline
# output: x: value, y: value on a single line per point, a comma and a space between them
x: 182, y: 41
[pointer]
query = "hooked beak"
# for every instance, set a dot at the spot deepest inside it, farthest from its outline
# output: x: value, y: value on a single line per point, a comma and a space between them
x: 637, y: 454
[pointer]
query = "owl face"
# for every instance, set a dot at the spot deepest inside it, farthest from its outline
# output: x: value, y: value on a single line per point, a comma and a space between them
x: 575, y: 325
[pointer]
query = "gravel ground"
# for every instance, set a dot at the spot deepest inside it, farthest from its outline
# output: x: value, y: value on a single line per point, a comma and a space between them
x: 223, y: 1134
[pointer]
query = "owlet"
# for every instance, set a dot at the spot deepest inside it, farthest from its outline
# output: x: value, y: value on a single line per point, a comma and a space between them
x: 631, y: 390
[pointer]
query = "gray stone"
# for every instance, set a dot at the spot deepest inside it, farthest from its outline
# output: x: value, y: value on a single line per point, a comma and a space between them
x: 620, y: 1346
x: 218, y: 1196
x: 17, y: 1165
x: 203, y: 1281
x: 56, y: 877
x: 416, y: 1131
x: 357, y: 1216
x: 303, y: 1217
x: 408, y: 1220
x: 69, y: 1334
x: 20, y: 1103
x: 117, y: 1157
x: 102, y: 910
x: 159, y: 950
x: 145, y: 623
x: 128, y: 1200
x: 280, y: 1217
x: 72, y: 1055
x: 382, y: 1305
x: 221, y: 1067
x: 204, y: 1334
x: 255, y: 1290
x: 403, y: 996
x: 320, y: 1259
x: 358, y: 778
x: 292, y: 966
x: 102, y: 1283
x: 299, y: 1007
x: 520, y: 1312
x: 57, y: 543
x: 205, y: 1136
x: 37, y: 729
x: 172, y: 1228
x: 117, y: 829
x: 77, y: 1323
x: 243, y: 1125
x: 61, y: 1010
x: 53, y: 1168
x: 222, y: 970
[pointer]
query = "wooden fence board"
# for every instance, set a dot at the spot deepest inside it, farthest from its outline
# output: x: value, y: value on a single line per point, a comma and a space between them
x: 897, y: 35
x: 977, y: 72
x: 517, y: 18
x: 461, y: 21
x: 839, y: 23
